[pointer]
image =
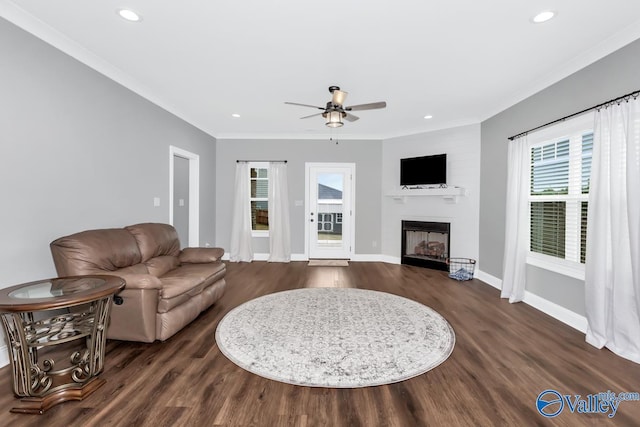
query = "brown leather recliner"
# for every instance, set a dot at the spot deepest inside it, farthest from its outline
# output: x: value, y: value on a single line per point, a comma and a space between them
x: 166, y: 289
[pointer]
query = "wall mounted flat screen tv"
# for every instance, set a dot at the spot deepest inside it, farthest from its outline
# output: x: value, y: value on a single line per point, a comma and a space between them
x: 426, y: 170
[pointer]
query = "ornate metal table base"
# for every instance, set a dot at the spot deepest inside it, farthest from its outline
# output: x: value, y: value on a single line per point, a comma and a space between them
x: 38, y: 405
x: 58, y: 358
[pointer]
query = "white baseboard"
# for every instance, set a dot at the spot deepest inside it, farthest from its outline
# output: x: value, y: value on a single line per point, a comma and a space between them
x: 366, y: 258
x: 566, y: 316
x: 554, y: 310
x: 488, y: 279
x: 304, y: 257
x: 389, y: 259
x: 4, y: 356
x: 264, y: 257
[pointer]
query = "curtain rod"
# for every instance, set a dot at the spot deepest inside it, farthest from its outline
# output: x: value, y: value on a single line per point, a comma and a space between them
x: 595, y: 107
x: 261, y: 161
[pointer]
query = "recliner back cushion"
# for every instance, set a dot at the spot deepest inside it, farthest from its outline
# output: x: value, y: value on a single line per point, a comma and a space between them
x: 95, y: 252
x: 155, y: 240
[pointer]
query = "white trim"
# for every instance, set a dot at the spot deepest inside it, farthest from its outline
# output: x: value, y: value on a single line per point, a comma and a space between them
x: 259, y: 165
x: 4, y: 356
x: 356, y: 258
x: 29, y: 23
x: 488, y: 279
x: 617, y: 41
x: 566, y: 316
x: 554, y: 310
x: 367, y: 258
x: 265, y: 257
x: 557, y: 265
x: 55, y: 38
x: 352, y: 207
x: 194, y: 191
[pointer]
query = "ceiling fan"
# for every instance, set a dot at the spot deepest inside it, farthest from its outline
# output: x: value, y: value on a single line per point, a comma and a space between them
x: 335, y: 110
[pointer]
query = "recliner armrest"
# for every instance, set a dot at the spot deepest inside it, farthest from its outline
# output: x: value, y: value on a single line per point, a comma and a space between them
x: 141, y: 281
x: 200, y: 255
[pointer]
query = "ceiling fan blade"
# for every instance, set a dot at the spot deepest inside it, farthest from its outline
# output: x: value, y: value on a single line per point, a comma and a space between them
x: 304, y: 105
x: 339, y: 97
x: 371, y: 106
x: 313, y: 115
x: 351, y: 117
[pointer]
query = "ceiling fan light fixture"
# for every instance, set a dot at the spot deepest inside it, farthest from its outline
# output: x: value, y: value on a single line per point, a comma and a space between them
x: 333, y: 119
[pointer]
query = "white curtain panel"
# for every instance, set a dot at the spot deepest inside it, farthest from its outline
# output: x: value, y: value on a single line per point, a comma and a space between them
x: 279, y: 225
x: 612, y: 271
x: 240, y: 246
x: 516, y: 224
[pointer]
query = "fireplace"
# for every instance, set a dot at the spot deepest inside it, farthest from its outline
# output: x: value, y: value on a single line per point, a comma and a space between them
x: 426, y: 244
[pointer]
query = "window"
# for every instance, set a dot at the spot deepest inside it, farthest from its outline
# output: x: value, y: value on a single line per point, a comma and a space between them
x: 259, y: 178
x: 560, y: 171
x: 325, y: 222
x: 338, y: 218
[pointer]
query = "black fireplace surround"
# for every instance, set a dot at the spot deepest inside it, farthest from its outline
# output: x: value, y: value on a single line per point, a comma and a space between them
x: 426, y: 244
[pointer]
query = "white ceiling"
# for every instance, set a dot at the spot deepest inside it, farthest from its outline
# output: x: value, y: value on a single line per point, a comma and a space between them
x: 461, y: 61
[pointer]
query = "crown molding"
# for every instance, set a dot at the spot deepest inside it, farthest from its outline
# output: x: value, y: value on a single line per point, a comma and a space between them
x: 41, y: 30
x: 606, y: 47
x: 21, y: 18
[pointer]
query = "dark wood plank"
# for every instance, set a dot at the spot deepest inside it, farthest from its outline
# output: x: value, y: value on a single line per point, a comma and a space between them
x: 505, y: 355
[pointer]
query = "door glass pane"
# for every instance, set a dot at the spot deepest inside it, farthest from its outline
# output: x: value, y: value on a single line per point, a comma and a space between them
x: 330, y: 200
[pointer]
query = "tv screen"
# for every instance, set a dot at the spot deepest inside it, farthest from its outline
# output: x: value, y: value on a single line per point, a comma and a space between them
x: 426, y: 170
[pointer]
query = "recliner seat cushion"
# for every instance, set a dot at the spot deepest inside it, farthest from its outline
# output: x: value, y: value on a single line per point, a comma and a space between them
x: 187, y: 281
x: 198, y: 273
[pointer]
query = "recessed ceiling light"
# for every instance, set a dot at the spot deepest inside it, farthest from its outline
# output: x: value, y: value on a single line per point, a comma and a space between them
x: 428, y: 116
x: 129, y: 15
x: 543, y: 16
x: 236, y: 115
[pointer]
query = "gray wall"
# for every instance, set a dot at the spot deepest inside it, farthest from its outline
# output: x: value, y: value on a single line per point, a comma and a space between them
x: 610, y: 77
x: 80, y: 151
x: 366, y: 154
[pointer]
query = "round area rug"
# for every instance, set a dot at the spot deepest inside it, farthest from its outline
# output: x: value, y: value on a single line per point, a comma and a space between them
x: 335, y: 337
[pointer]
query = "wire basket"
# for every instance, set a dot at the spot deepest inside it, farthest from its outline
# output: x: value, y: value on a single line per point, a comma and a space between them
x: 461, y: 268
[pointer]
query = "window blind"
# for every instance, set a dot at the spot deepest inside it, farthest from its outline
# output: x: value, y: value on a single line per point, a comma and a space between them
x: 560, y: 172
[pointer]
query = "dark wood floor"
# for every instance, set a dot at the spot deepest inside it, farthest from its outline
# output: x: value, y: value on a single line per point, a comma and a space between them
x: 505, y: 355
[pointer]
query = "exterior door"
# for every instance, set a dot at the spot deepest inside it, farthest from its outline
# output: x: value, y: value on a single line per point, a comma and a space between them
x: 330, y: 210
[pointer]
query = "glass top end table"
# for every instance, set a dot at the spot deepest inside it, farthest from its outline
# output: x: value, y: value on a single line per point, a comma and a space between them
x: 58, y: 354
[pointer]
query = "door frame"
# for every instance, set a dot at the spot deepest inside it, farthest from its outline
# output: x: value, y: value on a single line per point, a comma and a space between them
x: 307, y: 204
x: 194, y: 191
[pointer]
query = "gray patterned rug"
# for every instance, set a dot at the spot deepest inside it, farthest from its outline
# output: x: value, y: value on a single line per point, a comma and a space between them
x: 335, y: 337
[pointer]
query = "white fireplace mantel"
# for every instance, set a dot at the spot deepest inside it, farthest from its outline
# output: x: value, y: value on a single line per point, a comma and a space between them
x: 449, y: 194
